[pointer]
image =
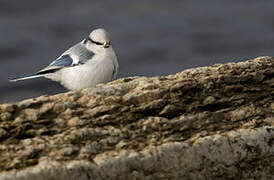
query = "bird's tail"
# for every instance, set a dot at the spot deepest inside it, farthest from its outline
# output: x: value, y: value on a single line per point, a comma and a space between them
x: 29, y: 76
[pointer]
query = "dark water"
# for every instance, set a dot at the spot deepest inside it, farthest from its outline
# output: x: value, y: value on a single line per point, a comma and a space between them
x: 150, y: 37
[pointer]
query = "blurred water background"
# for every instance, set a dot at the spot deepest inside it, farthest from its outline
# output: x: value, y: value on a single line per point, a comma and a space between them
x: 150, y: 37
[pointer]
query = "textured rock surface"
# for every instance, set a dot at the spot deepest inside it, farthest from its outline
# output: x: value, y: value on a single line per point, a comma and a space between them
x: 204, y: 123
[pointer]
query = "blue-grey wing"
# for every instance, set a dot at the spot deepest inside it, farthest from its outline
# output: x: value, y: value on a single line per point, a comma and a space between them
x: 63, y: 61
x: 85, y: 56
x: 81, y: 52
x: 81, y: 56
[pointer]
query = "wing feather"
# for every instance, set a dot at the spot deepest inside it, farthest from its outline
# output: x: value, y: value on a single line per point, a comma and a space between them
x: 63, y: 61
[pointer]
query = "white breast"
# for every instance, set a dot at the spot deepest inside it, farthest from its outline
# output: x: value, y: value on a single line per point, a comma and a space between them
x: 97, y: 70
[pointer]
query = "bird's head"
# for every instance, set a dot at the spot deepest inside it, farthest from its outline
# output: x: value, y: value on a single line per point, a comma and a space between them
x: 97, y: 41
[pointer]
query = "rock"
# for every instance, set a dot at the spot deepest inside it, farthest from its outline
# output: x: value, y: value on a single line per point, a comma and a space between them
x: 204, y: 123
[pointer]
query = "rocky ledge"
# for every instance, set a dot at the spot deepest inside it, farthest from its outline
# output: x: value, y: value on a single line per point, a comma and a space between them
x: 204, y: 123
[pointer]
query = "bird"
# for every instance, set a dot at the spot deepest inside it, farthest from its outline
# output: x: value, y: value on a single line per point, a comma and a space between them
x: 86, y: 64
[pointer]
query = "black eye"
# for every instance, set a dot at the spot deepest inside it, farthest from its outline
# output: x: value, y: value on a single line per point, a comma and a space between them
x: 85, y: 41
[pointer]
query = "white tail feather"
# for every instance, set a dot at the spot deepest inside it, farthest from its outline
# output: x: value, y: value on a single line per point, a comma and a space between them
x: 27, y: 77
